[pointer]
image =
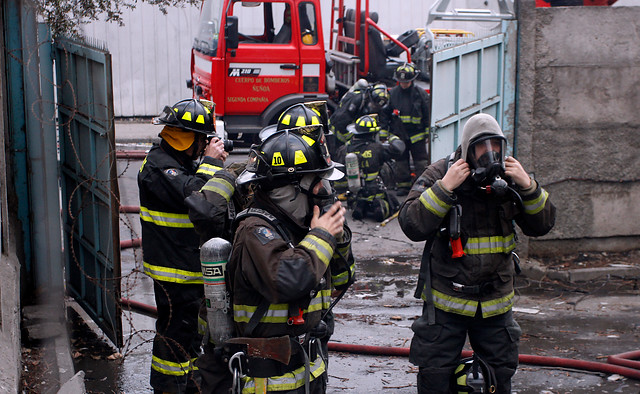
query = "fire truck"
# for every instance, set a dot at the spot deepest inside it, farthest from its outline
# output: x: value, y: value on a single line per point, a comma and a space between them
x: 256, y: 58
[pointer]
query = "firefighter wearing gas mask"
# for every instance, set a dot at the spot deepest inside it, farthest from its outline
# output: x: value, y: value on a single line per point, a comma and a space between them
x: 363, y: 98
x: 370, y: 199
x: 291, y: 248
x: 187, y: 156
x: 465, y: 207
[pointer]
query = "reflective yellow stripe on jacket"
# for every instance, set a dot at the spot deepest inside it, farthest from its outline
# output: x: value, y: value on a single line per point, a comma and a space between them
x: 207, y: 169
x: 279, y: 313
x: 536, y: 205
x: 319, y: 246
x: 342, y: 278
x: 418, y: 136
x: 411, y: 119
x: 488, y: 245
x: 165, y: 219
x: 435, y: 205
x: 172, y: 368
x: 172, y: 274
x: 287, y: 382
x: 220, y: 186
x: 371, y: 176
x: 465, y: 307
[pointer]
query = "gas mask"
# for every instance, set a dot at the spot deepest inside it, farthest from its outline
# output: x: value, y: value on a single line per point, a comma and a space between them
x: 486, y: 158
x: 319, y: 192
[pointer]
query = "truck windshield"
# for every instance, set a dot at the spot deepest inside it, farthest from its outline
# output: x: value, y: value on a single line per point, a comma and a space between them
x: 206, y: 40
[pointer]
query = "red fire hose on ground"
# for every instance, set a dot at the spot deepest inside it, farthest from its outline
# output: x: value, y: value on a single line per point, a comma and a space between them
x: 131, y: 154
x: 622, y: 364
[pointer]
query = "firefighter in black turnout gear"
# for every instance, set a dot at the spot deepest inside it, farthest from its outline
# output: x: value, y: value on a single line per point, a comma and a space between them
x: 407, y: 116
x: 371, y: 198
x: 169, y: 243
x: 291, y: 248
x: 362, y: 99
x: 466, y: 207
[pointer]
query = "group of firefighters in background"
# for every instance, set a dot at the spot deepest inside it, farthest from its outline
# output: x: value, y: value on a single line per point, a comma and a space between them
x: 291, y: 246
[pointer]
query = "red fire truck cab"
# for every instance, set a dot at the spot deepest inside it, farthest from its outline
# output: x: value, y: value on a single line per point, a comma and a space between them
x: 256, y: 58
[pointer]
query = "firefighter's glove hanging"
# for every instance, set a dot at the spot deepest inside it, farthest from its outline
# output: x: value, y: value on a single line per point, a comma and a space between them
x: 319, y: 331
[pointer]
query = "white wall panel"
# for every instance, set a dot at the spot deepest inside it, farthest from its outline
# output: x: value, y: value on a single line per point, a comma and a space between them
x: 151, y: 52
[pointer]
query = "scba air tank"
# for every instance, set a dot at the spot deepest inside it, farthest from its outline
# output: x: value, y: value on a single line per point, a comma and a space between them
x: 353, y: 172
x: 214, y: 255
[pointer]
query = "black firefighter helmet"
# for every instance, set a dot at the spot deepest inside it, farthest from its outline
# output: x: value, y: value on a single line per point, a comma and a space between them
x: 406, y: 73
x: 365, y: 125
x: 298, y: 115
x: 291, y: 153
x: 305, y: 114
x: 189, y: 114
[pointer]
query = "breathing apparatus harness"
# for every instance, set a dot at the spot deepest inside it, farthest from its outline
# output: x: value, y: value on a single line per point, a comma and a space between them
x: 239, y: 362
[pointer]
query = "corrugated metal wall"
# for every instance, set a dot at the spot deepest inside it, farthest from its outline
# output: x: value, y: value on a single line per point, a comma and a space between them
x: 151, y: 52
x: 151, y: 57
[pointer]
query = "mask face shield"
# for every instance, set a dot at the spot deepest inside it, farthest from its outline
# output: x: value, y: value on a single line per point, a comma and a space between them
x: 379, y: 96
x: 486, y: 158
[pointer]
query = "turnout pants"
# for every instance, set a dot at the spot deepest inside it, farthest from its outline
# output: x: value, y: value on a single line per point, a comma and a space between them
x: 436, y: 348
x: 177, y: 342
x: 418, y: 152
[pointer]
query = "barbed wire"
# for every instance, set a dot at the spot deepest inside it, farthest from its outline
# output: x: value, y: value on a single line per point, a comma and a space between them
x: 90, y: 177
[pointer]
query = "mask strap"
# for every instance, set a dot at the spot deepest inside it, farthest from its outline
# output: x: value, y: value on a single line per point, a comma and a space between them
x: 309, y: 192
x: 298, y: 189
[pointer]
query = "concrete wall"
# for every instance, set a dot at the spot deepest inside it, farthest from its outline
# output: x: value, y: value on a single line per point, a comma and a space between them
x: 578, y: 123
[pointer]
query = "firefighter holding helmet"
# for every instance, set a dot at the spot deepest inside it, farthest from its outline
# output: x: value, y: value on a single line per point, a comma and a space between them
x: 407, y: 116
x: 291, y: 247
x: 466, y: 207
x: 186, y: 157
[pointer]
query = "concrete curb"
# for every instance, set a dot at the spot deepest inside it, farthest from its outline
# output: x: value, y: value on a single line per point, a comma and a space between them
x: 534, y: 269
x: 75, y: 385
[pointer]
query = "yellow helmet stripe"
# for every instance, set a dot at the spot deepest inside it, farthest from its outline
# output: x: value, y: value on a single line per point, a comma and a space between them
x: 286, y: 119
x: 310, y: 141
x: 299, y: 158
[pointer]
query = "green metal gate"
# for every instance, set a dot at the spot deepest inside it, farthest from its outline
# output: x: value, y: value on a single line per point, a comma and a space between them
x: 473, y: 75
x: 90, y: 195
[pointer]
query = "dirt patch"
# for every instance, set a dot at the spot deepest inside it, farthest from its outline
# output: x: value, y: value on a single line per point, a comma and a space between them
x: 592, y: 260
x: 38, y: 373
x: 39, y: 370
x: 85, y: 343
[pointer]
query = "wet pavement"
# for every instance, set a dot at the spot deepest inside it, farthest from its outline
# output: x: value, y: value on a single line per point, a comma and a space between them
x: 582, y: 321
